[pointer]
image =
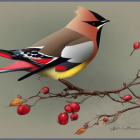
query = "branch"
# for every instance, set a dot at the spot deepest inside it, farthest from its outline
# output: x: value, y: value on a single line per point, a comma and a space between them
x: 111, y: 118
x: 79, y: 91
x: 89, y: 93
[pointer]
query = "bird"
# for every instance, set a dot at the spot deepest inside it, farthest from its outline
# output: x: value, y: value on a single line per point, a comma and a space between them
x: 62, y: 54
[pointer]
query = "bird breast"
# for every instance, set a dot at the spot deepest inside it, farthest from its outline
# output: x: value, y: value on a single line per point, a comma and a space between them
x: 78, y: 53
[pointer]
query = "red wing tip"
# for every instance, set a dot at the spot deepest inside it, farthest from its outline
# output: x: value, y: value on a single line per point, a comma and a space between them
x: 60, y: 68
x: 5, y: 55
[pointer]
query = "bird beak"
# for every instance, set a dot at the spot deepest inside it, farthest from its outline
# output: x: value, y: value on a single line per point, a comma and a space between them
x: 104, y: 21
x: 107, y: 20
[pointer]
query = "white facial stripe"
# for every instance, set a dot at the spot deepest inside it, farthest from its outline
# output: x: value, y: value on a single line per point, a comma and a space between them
x: 78, y: 53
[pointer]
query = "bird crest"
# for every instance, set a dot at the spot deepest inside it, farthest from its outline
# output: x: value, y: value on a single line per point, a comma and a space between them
x: 88, y: 15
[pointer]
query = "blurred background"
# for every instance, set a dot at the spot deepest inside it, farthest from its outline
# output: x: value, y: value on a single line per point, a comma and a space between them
x: 22, y: 24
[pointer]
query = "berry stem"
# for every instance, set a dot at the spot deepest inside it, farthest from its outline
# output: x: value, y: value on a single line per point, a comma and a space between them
x: 132, y: 52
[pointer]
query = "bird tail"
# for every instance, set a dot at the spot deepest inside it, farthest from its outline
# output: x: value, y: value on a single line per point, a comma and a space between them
x: 7, y: 54
x: 19, y: 66
x: 16, y: 55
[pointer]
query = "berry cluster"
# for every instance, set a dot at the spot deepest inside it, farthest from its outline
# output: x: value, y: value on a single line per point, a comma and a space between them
x: 71, y: 108
x: 24, y: 109
x: 63, y: 118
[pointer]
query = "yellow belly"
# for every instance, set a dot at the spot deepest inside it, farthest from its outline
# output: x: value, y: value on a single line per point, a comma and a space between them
x: 51, y: 73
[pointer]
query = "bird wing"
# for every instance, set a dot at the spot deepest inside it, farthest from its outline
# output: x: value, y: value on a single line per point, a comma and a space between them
x: 78, y: 53
x: 32, y: 55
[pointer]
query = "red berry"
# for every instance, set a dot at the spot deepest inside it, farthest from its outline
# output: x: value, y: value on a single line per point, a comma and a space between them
x: 105, y: 119
x: 19, y: 96
x: 68, y: 109
x: 74, y: 116
x: 23, y: 109
x: 124, y: 83
x: 45, y: 90
x: 97, y: 123
x: 75, y: 106
x: 63, y: 118
x: 136, y: 45
x: 127, y: 97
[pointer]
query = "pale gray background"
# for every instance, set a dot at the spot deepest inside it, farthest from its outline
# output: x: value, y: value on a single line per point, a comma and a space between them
x: 24, y: 23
